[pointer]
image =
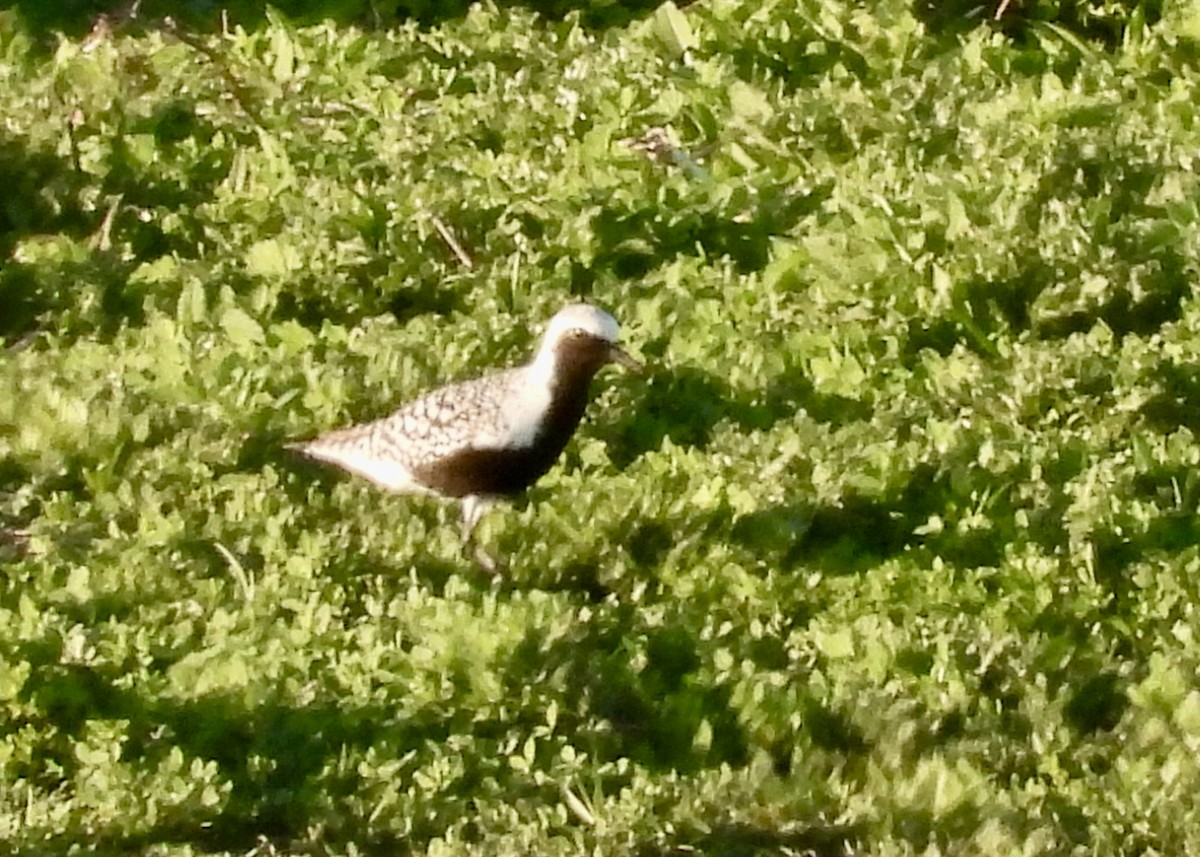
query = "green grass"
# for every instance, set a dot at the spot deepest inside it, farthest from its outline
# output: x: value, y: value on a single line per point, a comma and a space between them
x: 895, y: 551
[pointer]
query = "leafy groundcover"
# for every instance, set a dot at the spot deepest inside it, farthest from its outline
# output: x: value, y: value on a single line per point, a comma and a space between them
x: 893, y: 552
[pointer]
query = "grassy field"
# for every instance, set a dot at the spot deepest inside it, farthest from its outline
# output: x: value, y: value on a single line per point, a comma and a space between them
x: 893, y: 552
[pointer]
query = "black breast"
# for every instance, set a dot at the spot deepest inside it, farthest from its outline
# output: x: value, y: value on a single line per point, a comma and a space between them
x: 509, y: 471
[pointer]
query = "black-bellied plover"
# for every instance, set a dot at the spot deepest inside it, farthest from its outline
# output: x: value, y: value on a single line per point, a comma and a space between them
x: 490, y: 437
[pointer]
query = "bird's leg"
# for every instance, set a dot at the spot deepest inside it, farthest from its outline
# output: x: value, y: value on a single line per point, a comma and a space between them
x: 475, y: 507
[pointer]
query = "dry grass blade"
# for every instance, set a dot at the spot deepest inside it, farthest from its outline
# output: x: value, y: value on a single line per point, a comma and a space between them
x: 446, y: 235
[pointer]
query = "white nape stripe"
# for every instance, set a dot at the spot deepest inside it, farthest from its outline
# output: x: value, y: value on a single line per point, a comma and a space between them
x: 592, y: 321
x: 523, y: 408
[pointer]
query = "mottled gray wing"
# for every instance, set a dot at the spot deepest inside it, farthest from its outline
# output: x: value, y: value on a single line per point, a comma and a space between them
x: 449, y: 418
x: 390, y: 451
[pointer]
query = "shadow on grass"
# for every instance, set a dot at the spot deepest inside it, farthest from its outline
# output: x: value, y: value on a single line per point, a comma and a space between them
x: 1104, y: 24
x: 281, y: 761
x: 1107, y: 192
x: 726, y: 839
x: 41, y: 198
x: 75, y: 18
x: 860, y: 532
x: 687, y: 404
x: 274, y: 757
x: 635, y: 238
x: 68, y: 278
x: 1177, y: 404
x: 647, y: 712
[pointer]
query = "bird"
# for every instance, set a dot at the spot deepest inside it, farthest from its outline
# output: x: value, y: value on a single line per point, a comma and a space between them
x: 488, y: 438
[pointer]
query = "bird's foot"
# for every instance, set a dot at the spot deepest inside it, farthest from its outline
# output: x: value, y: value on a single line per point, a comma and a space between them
x: 483, y: 559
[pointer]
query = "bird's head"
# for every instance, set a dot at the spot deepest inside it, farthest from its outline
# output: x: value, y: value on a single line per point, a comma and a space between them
x: 584, y: 337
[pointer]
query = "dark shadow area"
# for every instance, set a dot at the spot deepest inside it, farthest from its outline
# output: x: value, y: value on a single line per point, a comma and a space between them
x: 1123, y: 180
x: 732, y: 839
x: 76, y: 280
x: 985, y: 308
x: 1113, y: 554
x: 401, y: 280
x: 430, y: 293
x: 832, y: 730
x: 797, y: 54
x: 1177, y: 405
x: 649, y: 542
x: 856, y: 535
x: 1103, y: 23
x: 1174, y: 530
x: 1094, y: 698
x: 309, y: 485
x: 14, y: 537
x: 275, y: 757
x: 1116, y: 550
x: 792, y: 391
x: 46, y: 295
x: 74, y: 538
x: 981, y: 309
x: 686, y: 404
x: 76, y: 18
x: 277, y: 800
x: 632, y: 241
x: 860, y: 532
x: 270, y: 753
x: 581, y: 575
x: 60, y: 699
x: 1124, y: 314
x: 14, y: 541
x: 13, y: 474
x: 778, y: 533
x: 654, y: 710
x: 583, y: 571
x: 923, y: 828
x: 1097, y: 704
x: 951, y: 19
x: 41, y: 198
x: 384, y: 284
x: 1148, y: 284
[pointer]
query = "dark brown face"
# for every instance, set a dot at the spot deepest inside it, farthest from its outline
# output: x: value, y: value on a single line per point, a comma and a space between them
x: 581, y: 352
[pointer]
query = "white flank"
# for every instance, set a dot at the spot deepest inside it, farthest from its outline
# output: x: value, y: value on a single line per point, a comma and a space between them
x: 523, y: 405
x: 385, y: 472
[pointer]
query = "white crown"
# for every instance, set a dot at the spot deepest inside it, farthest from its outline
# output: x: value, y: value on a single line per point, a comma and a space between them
x: 589, y: 319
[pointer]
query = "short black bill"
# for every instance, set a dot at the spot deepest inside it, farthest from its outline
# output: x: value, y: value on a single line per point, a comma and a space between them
x: 621, y: 357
